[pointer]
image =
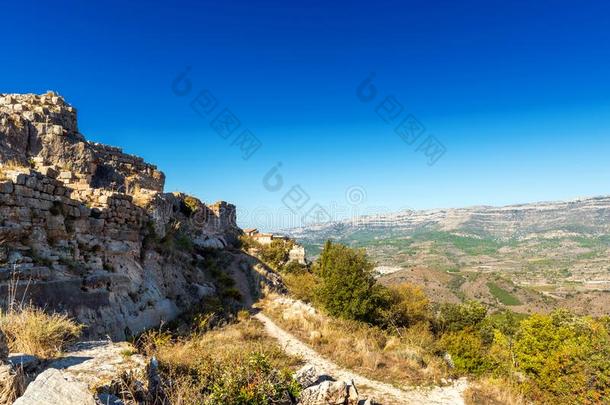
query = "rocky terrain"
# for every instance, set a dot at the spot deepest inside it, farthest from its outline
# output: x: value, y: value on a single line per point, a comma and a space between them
x: 87, y: 229
x: 530, y: 257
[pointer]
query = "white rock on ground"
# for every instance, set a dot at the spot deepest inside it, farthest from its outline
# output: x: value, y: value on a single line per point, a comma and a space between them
x: 53, y: 386
x: 72, y: 378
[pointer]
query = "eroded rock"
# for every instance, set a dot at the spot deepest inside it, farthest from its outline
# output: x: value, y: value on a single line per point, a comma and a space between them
x: 330, y: 393
x: 87, y: 229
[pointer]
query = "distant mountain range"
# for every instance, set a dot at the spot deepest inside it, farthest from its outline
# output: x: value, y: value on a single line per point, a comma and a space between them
x: 587, y: 216
x: 529, y: 256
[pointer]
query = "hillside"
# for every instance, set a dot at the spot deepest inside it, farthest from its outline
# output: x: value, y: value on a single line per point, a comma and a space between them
x: 529, y: 257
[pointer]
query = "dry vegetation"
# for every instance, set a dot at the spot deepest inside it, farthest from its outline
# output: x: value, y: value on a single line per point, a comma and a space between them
x: 491, y: 391
x: 31, y: 330
x: 8, y: 166
x: 369, y: 350
x: 237, y: 363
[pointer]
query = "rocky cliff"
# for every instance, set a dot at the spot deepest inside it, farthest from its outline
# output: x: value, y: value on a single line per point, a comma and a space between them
x: 87, y: 229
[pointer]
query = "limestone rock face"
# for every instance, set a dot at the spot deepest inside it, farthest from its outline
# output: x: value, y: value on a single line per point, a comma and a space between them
x: 87, y: 229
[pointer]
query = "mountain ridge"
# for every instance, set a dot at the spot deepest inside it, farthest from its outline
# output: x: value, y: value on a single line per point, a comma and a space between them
x: 584, y: 211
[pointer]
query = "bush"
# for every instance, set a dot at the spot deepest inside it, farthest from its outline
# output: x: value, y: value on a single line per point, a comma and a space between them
x: 409, y: 305
x: 276, y: 254
x: 566, y: 358
x: 456, y: 317
x: 467, y: 351
x: 348, y: 288
x: 30, y: 330
x: 246, y: 242
x: 302, y: 286
x: 293, y: 267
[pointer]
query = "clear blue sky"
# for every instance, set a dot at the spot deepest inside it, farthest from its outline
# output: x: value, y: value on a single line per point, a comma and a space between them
x: 518, y: 92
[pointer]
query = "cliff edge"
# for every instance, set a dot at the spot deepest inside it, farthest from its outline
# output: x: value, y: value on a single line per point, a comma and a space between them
x: 87, y: 229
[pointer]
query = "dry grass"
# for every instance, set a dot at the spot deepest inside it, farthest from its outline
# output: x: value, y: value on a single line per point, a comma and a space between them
x: 226, y: 343
x: 12, y: 384
x: 368, y: 350
x: 31, y: 330
x: 195, y: 366
x: 9, y: 166
x: 492, y: 391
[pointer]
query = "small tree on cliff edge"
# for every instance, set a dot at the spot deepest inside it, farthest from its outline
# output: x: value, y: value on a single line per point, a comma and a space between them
x: 348, y: 288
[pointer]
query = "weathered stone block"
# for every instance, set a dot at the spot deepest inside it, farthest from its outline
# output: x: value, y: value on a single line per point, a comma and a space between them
x: 6, y: 187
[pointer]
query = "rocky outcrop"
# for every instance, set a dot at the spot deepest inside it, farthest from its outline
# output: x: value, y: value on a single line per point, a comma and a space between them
x: 53, y: 387
x: 87, y: 229
x: 43, y: 131
x: 86, y: 374
x: 319, y: 389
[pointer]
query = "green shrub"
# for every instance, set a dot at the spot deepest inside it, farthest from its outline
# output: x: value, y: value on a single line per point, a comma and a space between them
x: 293, y: 267
x: 467, y: 351
x: 275, y: 254
x: 565, y: 358
x: 456, y: 317
x: 302, y: 286
x: 348, y: 288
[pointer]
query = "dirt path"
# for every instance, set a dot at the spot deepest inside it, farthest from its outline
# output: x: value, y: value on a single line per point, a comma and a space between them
x: 385, y: 393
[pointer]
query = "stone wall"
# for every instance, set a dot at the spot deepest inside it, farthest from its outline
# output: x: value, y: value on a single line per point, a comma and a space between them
x: 87, y: 229
x: 124, y: 172
x: 42, y: 132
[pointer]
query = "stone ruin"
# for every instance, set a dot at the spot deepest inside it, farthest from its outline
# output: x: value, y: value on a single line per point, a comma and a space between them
x: 77, y: 218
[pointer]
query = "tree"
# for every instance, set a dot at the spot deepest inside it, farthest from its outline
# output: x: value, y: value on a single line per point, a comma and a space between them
x: 276, y: 254
x: 348, y: 288
x: 456, y: 317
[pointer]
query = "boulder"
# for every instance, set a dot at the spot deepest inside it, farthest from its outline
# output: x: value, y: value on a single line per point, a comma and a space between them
x: 330, y: 393
x: 55, y: 387
x: 307, y: 376
x: 210, y: 242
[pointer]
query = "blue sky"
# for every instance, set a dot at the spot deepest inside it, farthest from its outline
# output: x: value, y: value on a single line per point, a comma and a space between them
x: 517, y: 93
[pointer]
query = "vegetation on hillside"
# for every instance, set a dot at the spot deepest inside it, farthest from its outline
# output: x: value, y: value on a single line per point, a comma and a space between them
x: 502, y: 295
x: 225, y: 364
x: 554, y: 358
x: 274, y: 255
x: 548, y: 270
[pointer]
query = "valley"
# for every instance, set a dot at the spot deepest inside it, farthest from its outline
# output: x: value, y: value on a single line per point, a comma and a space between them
x: 530, y: 257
